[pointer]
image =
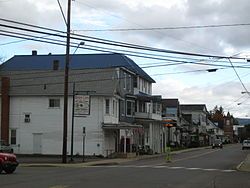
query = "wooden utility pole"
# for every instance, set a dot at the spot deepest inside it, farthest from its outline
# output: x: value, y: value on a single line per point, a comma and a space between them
x: 66, y: 81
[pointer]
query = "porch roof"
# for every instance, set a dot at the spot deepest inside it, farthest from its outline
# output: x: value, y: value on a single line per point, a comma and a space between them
x: 121, y: 125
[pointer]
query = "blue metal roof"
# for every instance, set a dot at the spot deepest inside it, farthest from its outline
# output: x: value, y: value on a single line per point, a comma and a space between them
x: 77, y: 61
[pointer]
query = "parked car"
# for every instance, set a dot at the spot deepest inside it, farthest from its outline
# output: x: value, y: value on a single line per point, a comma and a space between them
x: 4, y: 147
x: 246, y: 144
x: 217, y: 144
x: 8, y: 163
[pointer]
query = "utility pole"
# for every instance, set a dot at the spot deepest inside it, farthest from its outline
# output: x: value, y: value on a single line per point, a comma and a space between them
x: 66, y: 81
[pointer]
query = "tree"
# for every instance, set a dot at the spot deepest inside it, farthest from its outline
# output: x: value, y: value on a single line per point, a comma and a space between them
x: 217, y: 115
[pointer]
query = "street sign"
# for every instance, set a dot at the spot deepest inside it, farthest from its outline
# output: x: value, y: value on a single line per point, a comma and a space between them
x: 82, y: 105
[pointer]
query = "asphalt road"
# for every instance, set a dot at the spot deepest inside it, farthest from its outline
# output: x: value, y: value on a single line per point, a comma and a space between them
x: 207, y: 168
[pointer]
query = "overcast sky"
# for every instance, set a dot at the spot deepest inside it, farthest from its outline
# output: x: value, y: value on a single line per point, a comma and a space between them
x: 218, y: 88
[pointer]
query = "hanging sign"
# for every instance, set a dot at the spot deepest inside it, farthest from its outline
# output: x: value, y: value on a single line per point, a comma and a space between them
x: 82, y: 105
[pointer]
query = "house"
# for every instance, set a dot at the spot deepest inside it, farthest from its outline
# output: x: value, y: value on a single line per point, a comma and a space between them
x: 171, y: 114
x: 113, y: 103
x: 196, y: 114
x: 214, y: 132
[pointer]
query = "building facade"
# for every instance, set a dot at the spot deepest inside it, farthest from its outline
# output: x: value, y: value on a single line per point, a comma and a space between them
x: 113, y: 102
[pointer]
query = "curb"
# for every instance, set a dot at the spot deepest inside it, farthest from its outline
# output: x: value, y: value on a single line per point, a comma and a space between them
x: 242, y: 167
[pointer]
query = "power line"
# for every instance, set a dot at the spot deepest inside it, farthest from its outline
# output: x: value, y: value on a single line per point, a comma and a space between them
x: 184, y: 72
x: 58, y: 42
x: 129, y: 21
x: 166, y: 28
x: 109, y: 42
x: 238, y: 77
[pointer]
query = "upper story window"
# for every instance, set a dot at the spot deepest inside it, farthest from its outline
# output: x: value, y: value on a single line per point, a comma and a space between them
x: 107, y: 106
x: 122, y: 108
x: 171, y: 111
x: 135, y: 82
x: 128, y: 82
x: 54, y: 103
x: 27, y: 118
x: 130, y: 108
x: 124, y: 80
x: 142, y: 106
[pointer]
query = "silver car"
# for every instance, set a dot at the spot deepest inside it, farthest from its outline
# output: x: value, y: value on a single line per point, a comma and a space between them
x: 246, y: 144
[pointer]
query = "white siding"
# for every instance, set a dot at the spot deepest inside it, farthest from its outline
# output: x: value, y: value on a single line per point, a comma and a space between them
x: 49, y: 122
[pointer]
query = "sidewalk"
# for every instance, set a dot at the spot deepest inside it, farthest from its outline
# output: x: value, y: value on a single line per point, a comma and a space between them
x: 56, y: 161
x: 244, y: 165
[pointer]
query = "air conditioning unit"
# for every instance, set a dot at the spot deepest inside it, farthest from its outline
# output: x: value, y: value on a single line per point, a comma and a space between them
x: 26, y: 120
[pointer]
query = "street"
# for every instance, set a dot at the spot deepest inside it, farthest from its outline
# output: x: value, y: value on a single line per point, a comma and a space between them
x: 206, y: 168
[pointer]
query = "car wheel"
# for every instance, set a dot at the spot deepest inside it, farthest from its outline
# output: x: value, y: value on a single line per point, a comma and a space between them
x: 243, y: 148
x: 10, y: 170
x: 1, y: 168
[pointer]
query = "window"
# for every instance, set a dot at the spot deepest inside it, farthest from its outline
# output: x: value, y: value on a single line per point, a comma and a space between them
x: 13, y: 136
x: 142, y: 106
x: 113, y: 109
x: 125, y: 79
x: 107, y: 106
x: 128, y: 82
x: 122, y: 108
x: 116, y: 107
x: 135, y: 82
x: 130, y: 108
x: 154, y: 107
x: 26, y: 118
x: 54, y: 103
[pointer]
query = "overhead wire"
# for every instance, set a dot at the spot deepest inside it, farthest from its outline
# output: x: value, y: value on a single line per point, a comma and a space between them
x: 165, y: 28
x: 56, y: 42
x: 243, y: 85
x: 110, y: 42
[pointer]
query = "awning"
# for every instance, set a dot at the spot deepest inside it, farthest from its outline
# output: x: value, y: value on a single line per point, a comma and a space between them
x: 121, y: 125
x: 146, y: 97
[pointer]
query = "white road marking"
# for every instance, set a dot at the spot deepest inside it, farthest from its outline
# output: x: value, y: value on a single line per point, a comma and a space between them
x: 162, y: 167
x: 176, y: 167
x: 210, y: 169
x: 144, y: 166
x: 159, y: 166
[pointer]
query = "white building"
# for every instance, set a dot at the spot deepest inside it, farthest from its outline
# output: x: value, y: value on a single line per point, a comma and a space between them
x: 32, y: 104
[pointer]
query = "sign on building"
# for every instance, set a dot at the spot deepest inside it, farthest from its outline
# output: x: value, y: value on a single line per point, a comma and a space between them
x: 82, y: 105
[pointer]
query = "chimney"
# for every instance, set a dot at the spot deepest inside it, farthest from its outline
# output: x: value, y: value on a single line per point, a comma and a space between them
x: 55, y: 65
x: 34, y: 52
x: 5, y: 109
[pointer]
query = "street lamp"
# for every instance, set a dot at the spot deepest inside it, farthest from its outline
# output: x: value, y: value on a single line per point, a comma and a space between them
x: 73, y: 107
x: 80, y: 44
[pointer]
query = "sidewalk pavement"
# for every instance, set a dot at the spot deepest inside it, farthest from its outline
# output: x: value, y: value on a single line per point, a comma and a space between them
x: 55, y: 161
x: 244, y: 165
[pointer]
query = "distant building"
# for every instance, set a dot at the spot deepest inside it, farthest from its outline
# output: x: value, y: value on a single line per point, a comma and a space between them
x: 197, y: 115
x: 228, y: 128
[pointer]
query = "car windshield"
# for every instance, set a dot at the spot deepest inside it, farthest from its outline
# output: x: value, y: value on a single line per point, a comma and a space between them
x: 217, y: 141
x: 246, y: 141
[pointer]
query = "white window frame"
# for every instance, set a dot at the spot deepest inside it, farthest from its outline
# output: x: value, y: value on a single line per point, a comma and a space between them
x: 27, y: 117
x: 107, y: 107
x: 125, y: 80
x: 15, y: 136
x: 132, y: 102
